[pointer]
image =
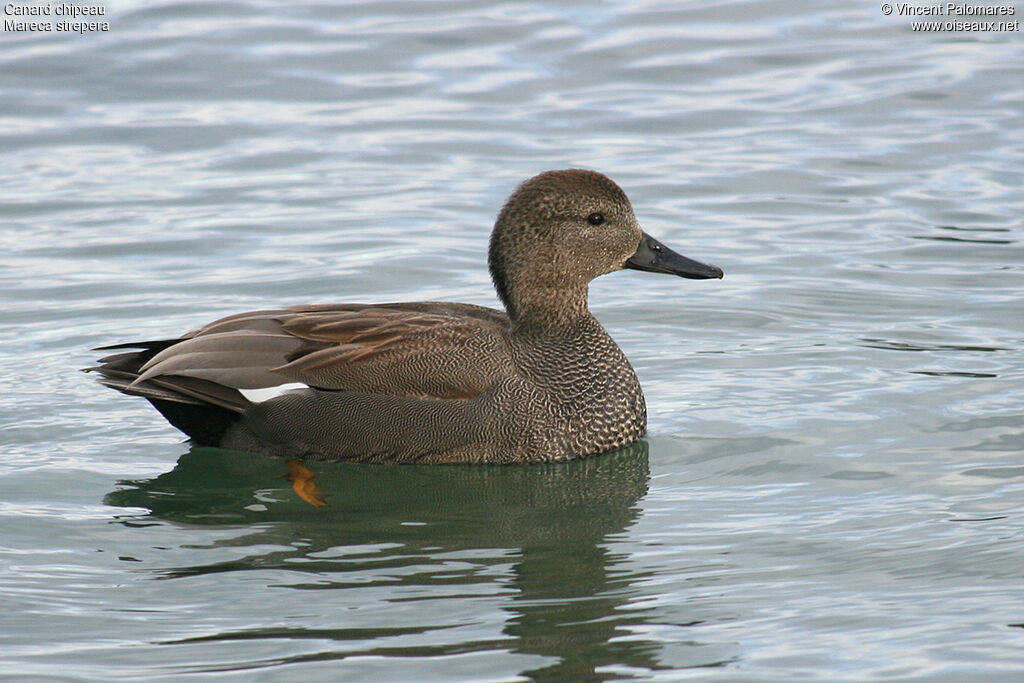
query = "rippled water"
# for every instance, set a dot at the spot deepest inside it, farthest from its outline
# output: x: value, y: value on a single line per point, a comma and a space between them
x: 832, y: 487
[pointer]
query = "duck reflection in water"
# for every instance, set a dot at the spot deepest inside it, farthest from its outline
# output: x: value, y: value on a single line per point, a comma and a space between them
x: 568, y: 601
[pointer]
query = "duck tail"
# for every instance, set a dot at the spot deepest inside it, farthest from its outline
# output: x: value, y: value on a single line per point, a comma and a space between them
x: 202, y: 409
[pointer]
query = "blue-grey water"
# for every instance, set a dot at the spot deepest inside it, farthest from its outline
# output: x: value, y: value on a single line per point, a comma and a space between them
x: 832, y: 487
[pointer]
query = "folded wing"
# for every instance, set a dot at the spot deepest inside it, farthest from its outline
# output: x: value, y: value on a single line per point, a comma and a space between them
x: 431, y: 349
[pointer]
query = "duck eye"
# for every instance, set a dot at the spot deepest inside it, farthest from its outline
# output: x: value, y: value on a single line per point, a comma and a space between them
x: 595, y: 218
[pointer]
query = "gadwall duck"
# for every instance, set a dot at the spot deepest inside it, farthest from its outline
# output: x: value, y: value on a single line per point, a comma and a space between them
x: 430, y: 382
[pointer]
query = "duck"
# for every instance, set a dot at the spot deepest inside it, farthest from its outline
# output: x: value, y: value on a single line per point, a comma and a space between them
x: 429, y: 382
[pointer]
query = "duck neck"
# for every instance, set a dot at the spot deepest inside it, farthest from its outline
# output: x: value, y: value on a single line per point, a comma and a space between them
x: 553, y: 308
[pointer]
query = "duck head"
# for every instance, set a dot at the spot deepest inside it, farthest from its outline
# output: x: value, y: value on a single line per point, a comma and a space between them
x: 561, y: 229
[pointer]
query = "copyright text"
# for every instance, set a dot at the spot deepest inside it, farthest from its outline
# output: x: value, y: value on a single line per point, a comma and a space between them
x: 960, y: 17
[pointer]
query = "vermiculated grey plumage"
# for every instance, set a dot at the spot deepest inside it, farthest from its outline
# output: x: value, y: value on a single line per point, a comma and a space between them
x: 431, y: 382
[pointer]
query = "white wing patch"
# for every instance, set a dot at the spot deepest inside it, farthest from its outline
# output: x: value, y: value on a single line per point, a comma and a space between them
x: 267, y: 393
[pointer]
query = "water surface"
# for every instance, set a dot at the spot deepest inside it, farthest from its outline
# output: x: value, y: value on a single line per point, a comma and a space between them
x: 832, y: 487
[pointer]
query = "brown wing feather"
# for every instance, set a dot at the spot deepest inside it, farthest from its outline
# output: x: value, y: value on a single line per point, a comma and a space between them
x: 401, y: 352
x: 425, y: 349
x: 240, y: 358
